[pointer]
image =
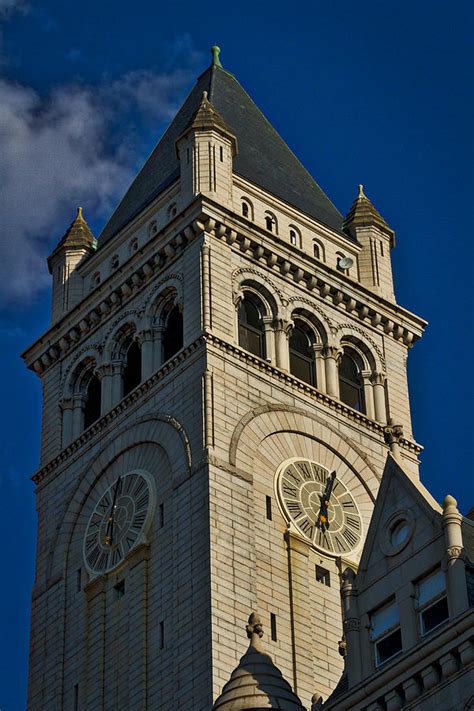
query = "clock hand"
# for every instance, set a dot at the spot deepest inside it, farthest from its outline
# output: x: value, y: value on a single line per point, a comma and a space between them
x: 110, y: 524
x: 322, y: 521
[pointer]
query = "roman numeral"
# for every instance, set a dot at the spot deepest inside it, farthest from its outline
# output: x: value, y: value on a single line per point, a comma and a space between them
x: 305, y: 469
x: 336, y: 487
x: 320, y: 474
x: 340, y: 544
x: 138, y: 521
x: 350, y: 537
x: 289, y: 490
x: 307, y: 527
x: 294, y: 508
x: 129, y: 481
x: 104, y: 503
x: 353, y: 522
x: 293, y: 475
x: 348, y: 504
x: 142, y: 501
x: 139, y: 487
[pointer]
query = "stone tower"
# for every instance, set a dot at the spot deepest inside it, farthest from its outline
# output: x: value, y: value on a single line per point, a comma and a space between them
x: 223, y: 376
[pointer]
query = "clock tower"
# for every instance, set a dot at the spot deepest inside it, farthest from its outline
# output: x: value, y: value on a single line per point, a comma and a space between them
x: 223, y: 377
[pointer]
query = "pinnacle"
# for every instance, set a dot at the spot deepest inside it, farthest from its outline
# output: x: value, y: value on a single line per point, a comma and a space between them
x: 215, y: 56
x: 364, y: 214
x: 77, y: 236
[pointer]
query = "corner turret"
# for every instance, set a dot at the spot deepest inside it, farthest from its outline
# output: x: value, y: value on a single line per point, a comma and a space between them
x: 77, y: 242
x: 365, y: 224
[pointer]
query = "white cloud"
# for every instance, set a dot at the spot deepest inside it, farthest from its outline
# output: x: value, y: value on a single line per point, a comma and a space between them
x: 67, y: 149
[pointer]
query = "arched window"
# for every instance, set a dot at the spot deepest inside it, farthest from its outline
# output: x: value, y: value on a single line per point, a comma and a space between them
x: 132, y: 372
x: 302, y: 356
x: 95, y: 280
x: 251, y: 329
x: 247, y: 209
x: 295, y: 236
x: 92, y: 401
x: 173, y: 333
x: 133, y: 246
x: 172, y: 211
x: 351, y: 383
x: 114, y: 262
x: 270, y: 222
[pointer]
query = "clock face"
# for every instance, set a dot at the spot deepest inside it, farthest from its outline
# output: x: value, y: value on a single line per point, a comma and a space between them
x: 119, y: 521
x: 320, y: 506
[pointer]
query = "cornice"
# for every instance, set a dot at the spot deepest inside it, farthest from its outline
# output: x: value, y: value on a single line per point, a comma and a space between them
x: 311, y: 275
x: 205, y: 340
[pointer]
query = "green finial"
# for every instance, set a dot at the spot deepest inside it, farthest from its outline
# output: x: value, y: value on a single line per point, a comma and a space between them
x: 215, y: 56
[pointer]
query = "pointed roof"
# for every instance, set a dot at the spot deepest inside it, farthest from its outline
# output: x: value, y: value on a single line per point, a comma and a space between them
x: 207, y: 118
x: 364, y: 214
x: 263, y: 157
x: 77, y: 236
x: 257, y: 684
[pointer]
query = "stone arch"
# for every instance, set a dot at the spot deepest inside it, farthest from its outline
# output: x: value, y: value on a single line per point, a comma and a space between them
x: 363, y: 343
x: 266, y: 420
x: 300, y: 302
x: 121, y: 330
x: 160, y: 429
x: 172, y: 281
x: 261, y: 284
x: 83, y: 358
x: 303, y: 313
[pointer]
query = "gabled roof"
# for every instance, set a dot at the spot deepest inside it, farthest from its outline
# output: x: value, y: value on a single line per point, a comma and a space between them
x: 263, y: 157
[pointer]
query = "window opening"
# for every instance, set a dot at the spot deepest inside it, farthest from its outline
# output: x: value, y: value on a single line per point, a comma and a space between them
x: 268, y: 507
x: 173, y: 334
x: 432, y: 602
x: 76, y: 697
x: 132, y: 374
x: 293, y: 238
x: 251, y: 329
x: 245, y: 209
x: 351, y: 383
x: 78, y: 580
x: 316, y: 250
x: 221, y: 153
x: 302, y: 358
x: 162, y: 635
x: 114, y: 262
x: 269, y: 223
x: 92, y: 404
x: 323, y: 576
x: 273, y: 627
x: 162, y: 515
x: 119, y: 589
x: 385, y: 633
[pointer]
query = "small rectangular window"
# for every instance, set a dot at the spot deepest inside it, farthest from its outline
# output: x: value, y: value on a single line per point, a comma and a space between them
x: 273, y: 626
x: 385, y: 633
x: 161, y: 515
x: 119, y: 589
x: 162, y: 635
x: 187, y: 155
x: 381, y: 249
x: 221, y: 153
x: 323, y: 576
x: 78, y: 579
x: 432, y: 602
x: 76, y: 697
x: 268, y: 505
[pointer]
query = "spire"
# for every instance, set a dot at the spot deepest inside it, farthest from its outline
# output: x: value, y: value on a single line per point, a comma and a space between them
x: 364, y: 214
x: 77, y: 236
x: 207, y: 118
x: 215, y: 56
x: 257, y: 683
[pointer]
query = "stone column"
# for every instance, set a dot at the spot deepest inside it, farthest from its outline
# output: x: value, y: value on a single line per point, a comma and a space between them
x: 392, y: 435
x: 332, y: 355
x: 105, y: 372
x: 300, y: 611
x: 351, y: 627
x: 158, y: 332
x: 206, y: 285
x: 117, y: 381
x: 67, y: 405
x: 79, y: 401
x: 378, y: 386
x: 406, y: 605
x: 145, y: 339
x: 282, y: 329
x: 269, y: 338
x: 368, y: 393
x: 320, y: 367
x: 456, y: 568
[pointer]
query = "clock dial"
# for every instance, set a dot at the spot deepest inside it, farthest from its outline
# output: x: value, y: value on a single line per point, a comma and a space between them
x: 320, y: 506
x: 119, y: 521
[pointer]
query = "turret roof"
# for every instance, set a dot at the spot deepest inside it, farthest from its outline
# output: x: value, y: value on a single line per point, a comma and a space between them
x: 256, y: 683
x: 363, y: 214
x: 263, y: 157
x: 77, y: 236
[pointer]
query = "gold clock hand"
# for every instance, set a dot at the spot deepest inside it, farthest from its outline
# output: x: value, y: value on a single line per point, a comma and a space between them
x: 110, y: 524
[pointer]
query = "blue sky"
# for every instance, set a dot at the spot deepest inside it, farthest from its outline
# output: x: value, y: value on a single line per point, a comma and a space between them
x: 375, y: 92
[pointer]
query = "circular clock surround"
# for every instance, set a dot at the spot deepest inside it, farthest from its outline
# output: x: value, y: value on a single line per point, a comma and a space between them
x: 119, y: 522
x: 300, y: 485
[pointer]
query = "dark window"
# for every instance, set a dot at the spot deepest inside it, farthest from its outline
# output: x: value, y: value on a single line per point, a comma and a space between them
x: 92, y: 405
x: 351, y: 384
x: 432, y: 601
x: 434, y: 615
x: 162, y: 635
x: 162, y: 515
x: 268, y: 506
x: 221, y: 153
x: 269, y: 223
x: 132, y: 373
x: 245, y: 209
x: 273, y: 626
x: 316, y: 250
x: 78, y: 580
x: 323, y: 576
x: 302, y: 363
x: 119, y: 589
x: 187, y: 155
x: 76, y: 697
x: 388, y: 647
x: 293, y: 238
x: 251, y: 331
x: 173, y: 334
